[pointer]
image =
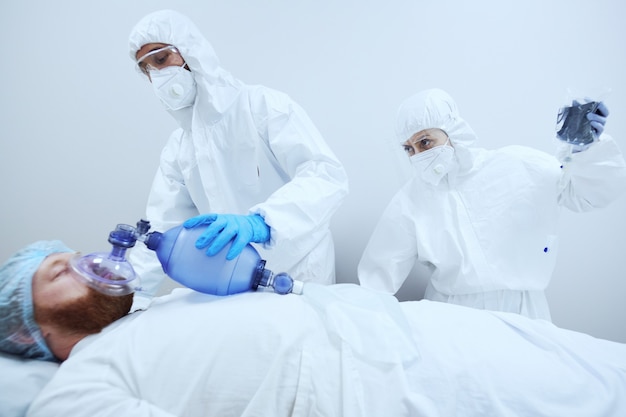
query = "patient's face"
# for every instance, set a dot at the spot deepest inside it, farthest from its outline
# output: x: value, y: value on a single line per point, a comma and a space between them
x: 61, y: 300
x: 53, y: 283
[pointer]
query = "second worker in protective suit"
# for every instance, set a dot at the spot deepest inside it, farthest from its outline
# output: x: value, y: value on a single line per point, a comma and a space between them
x: 247, y: 162
x: 483, y: 222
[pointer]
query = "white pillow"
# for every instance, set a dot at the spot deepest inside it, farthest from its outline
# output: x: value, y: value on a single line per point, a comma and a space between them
x: 20, y: 381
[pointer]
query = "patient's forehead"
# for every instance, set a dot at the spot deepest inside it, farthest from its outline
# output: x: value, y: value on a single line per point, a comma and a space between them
x: 54, y: 282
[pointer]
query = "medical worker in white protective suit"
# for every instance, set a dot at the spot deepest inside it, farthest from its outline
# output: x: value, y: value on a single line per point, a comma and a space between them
x: 483, y: 222
x: 247, y: 162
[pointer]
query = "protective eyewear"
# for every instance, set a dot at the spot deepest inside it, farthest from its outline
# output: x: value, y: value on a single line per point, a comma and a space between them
x: 157, y: 59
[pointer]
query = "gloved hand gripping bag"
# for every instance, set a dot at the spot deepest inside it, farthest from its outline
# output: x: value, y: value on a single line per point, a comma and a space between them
x: 572, y: 124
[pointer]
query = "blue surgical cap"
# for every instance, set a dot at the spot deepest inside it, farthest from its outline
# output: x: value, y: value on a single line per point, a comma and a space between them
x: 19, y: 333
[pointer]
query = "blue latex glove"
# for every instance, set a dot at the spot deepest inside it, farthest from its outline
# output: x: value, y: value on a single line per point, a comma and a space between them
x: 226, y: 227
x: 598, y: 118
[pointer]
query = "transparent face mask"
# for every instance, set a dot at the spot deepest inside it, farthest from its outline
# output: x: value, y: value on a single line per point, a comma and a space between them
x: 109, y: 272
x: 101, y: 273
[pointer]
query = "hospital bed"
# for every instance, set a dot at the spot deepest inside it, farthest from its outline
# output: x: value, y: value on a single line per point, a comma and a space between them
x: 342, y: 352
x: 20, y: 381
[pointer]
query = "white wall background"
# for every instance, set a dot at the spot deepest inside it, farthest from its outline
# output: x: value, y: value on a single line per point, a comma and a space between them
x: 82, y: 131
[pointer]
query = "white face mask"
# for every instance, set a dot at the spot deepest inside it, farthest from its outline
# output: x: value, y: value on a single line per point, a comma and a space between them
x: 432, y: 165
x: 175, y: 86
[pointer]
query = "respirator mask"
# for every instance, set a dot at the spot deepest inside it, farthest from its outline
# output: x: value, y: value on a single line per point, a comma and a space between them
x: 174, y: 86
x: 432, y: 165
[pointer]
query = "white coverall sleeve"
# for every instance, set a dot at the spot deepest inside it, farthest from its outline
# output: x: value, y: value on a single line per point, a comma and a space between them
x: 593, y: 178
x: 391, y: 251
x: 317, y: 180
x: 169, y: 204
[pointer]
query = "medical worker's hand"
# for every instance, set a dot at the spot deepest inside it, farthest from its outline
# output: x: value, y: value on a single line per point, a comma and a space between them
x: 598, y: 118
x: 226, y: 227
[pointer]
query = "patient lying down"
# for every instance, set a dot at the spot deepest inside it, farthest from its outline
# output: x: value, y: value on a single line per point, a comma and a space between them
x: 337, y: 350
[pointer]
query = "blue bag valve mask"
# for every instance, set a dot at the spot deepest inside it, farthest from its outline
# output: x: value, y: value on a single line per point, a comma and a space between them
x: 182, y: 262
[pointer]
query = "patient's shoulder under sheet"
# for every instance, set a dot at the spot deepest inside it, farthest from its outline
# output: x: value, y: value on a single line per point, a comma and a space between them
x: 336, y: 351
x: 249, y: 354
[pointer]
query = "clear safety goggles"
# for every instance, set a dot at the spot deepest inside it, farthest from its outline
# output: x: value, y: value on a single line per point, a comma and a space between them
x: 157, y: 59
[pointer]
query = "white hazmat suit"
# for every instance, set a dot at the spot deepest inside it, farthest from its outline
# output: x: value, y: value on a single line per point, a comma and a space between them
x: 241, y: 150
x: 487, y: 230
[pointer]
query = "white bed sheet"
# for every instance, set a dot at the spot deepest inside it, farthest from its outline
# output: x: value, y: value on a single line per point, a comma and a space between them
x: 268, y: 355
x: 20, y: 382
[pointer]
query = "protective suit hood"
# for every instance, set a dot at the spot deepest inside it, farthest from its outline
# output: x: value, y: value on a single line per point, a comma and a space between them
x: 435, y: 108
x: 217, y: 88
